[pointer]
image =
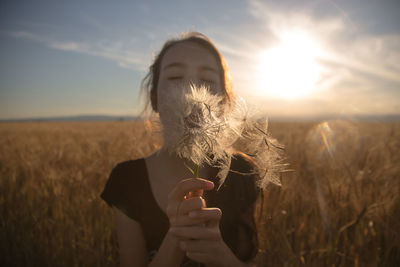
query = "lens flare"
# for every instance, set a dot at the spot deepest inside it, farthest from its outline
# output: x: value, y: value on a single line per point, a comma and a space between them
x: 337, y: 142
x: 328, y: 139
x: 331, y: 146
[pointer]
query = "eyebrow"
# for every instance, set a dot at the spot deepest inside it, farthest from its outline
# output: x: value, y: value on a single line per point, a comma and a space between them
x: 181, y: 65
x: 206, y: 68
x: 175, y: 64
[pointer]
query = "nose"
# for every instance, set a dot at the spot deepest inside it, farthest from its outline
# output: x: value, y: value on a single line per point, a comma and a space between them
x: 192, y: 77
x: 194, y: 82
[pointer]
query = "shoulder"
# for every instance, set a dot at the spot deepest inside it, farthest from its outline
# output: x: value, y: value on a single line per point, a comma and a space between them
x: 242, y: 163
x: 242, y: 170
x: 125, y: 173
x: 125, y: 178
x: 126, y: 167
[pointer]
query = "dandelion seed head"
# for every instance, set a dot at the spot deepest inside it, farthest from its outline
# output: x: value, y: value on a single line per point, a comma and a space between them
x: 193, y: 124
x: 197, y: 126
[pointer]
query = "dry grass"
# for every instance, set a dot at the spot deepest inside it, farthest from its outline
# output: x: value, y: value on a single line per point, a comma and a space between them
x: 338, y: 207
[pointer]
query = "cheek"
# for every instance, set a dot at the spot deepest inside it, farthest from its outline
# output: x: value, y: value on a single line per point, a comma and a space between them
x: 168, y: 95
x: 216, y: 89
x: 168, y: 90
x: 162, y: 91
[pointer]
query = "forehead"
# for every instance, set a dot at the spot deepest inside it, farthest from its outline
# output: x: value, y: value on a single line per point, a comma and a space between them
x: 189, y: 54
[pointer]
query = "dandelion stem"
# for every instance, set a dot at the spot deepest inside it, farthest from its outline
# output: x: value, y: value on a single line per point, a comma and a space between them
x: 196, y: 171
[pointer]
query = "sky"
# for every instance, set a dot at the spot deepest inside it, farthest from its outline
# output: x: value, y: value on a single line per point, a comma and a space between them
x: 287, y: 58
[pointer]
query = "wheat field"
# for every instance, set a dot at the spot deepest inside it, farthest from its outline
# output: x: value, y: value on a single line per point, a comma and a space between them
x: 339, y: 204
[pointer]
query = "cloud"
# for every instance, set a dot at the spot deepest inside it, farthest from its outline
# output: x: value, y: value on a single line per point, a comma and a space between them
x: 360, y: 68
x: 68, y: 46
x: 117, y: 51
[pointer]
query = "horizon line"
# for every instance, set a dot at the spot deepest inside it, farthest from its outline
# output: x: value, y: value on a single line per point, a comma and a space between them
x: 107, y: 117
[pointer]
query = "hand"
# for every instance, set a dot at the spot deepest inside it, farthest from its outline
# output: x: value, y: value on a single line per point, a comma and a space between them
x: 204, y: 243
x: 182, y: 200
x: 195, y: 226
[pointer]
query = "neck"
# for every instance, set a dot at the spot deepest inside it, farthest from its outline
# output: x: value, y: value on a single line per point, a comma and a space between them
x: 173, y: 164
x: 181, y: 166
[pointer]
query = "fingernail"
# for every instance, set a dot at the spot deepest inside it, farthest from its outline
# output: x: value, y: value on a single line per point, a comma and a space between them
x: 209, y: 185
x: 192, y: 214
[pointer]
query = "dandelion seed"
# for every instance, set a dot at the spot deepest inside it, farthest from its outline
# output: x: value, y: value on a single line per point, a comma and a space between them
x: 197, y: 126
x: 266, y: 151
x: 194, y: 126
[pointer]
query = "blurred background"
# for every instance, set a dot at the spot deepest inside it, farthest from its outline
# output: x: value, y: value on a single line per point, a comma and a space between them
x: 327, y: 73
x: 294, y: 59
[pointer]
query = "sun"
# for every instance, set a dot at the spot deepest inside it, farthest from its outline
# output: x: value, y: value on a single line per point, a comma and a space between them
x: 289, y: 70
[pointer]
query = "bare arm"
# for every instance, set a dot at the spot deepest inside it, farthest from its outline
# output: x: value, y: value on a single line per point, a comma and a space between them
x: 132, y: 245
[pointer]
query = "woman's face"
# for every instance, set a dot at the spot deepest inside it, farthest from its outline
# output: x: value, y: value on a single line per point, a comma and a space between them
x: 186, y: 63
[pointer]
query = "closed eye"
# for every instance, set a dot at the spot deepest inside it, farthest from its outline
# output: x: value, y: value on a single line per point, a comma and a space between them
x: 174, y: 78
x: 207, y: 81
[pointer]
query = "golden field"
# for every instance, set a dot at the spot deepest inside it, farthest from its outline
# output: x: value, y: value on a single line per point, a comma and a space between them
x: 339, y: 206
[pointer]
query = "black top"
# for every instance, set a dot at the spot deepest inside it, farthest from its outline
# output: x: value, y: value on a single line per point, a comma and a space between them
x: 128, y: 188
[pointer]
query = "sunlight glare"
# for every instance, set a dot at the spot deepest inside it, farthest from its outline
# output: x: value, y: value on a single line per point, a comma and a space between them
x: 289, y: 70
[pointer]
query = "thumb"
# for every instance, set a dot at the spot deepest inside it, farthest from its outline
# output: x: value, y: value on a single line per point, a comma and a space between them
x: 197, y: 193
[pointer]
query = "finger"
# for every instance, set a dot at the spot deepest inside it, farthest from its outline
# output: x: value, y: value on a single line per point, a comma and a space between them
x: 192, y: 204
x: 212, y: 223
x: 173, y: 209
x: 177, y: 208
x: 184, y: 220
x: 207, y: 214
x: 199, y: 246
x: 196, y: 232
x: 189, y: 185
x: 197, y: 193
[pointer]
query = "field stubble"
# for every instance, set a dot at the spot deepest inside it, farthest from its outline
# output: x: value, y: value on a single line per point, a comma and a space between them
x: 339, y: 206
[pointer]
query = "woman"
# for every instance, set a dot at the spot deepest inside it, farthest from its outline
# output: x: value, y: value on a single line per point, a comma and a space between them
x: 160, y: 221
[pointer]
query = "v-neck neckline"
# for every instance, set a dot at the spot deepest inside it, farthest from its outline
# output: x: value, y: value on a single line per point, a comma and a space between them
x: 153, y: 198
